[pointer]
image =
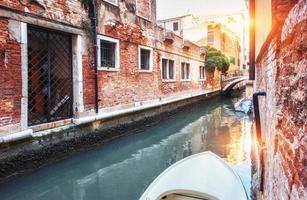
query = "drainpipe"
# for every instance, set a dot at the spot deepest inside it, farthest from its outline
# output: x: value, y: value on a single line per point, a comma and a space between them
x: 259, y: 135
x: 92, y: 15
x: 252, y: 40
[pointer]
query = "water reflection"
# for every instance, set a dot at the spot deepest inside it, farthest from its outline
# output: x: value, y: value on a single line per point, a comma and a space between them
x: 122, y: 169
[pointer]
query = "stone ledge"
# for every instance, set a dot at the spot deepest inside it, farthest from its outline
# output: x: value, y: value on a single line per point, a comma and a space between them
x: 16, y: 136
x: 108, y: 113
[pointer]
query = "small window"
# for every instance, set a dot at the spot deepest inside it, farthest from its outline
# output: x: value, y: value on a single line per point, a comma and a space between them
x: 145, y: 59
x: 171, y: 69
x: 232, y: 60
x: 185, y: 71
x: 175, y: 26
x: 168, y: 69
x: 202, y: 73
x: 210, y: 37
x: 239, y: 62
x: 108, y: 53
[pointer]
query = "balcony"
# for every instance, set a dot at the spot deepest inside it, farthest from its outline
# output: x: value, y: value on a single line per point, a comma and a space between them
x: 202, y: 51
x: 187, y: 44
x: 169, y: 36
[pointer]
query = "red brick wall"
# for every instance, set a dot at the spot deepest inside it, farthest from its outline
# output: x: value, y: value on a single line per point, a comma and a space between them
x: 281, y: 71
x: 125, y: 86
x: 128, y: 85
x: 68, y: 11
x: 10, y: 77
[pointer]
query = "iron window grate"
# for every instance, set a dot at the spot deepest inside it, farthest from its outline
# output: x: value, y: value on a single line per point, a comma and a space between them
x: 49, y: 76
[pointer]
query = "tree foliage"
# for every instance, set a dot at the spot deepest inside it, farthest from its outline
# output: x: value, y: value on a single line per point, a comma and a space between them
x: 216, y: 58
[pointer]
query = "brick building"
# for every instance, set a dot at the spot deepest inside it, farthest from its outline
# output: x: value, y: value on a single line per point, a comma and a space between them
x: 226, y: 33
x: 281, y: 71
x: 47, y: 73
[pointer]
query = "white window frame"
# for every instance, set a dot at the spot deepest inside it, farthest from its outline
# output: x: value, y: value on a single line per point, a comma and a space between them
x: 204, y: 78
x: 117, y: 53
x: 167, y: 73
x: 189, y: 79
x: 110, y: 2
x: 150, y: 59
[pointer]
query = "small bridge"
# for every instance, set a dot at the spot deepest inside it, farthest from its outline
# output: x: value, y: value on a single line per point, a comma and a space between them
x: 232, y: 79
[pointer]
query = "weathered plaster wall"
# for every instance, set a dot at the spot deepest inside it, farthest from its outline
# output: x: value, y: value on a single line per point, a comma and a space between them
x: 66, y: 11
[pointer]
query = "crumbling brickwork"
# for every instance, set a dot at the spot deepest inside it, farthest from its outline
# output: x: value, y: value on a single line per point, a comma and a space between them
x: 144, y: 8
x: 281, y: 71
x: 66, y: 11
x: 129, y: 85
x: 132, y: 23
x: 10, y: 77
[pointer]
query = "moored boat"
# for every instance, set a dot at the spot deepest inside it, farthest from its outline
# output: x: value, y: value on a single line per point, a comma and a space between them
x: 201, y: 176
x: 244, y: 105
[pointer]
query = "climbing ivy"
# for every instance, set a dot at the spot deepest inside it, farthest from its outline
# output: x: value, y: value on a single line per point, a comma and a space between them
x: 216, y: 58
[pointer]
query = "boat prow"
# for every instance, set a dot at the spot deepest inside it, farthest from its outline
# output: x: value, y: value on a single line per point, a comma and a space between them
x: 200, y: 176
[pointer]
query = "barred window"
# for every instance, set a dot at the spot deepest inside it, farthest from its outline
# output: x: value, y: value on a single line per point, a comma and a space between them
x: 108, y: 53
x: 107, y: 50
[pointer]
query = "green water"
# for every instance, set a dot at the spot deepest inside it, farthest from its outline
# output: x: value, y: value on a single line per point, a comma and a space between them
x: 123, y: 168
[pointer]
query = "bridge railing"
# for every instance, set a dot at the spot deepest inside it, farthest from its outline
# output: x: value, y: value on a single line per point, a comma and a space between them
x: 232, y: 75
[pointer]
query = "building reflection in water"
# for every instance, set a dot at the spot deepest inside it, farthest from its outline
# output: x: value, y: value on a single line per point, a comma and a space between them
x: 123, y: 168
x: 218, y: 132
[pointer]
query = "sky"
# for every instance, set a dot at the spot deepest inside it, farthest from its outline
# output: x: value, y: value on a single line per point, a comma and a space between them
x: 173, y: 8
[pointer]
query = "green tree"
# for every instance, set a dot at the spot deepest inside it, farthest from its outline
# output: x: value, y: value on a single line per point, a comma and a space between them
x: 216, y: 58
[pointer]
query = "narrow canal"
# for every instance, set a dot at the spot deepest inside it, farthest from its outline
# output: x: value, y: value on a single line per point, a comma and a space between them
x: 123, y: 168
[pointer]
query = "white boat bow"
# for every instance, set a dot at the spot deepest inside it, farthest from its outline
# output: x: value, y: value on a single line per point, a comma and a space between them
x: 200, y: 176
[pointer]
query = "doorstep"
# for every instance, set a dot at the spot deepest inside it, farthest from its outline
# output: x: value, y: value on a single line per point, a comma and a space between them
x: 50, y: 125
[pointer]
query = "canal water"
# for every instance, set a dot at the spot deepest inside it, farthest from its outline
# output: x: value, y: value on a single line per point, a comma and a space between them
x: 122, y: 169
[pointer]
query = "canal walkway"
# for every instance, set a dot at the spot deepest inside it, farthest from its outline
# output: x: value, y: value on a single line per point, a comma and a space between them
x: 123, y: 168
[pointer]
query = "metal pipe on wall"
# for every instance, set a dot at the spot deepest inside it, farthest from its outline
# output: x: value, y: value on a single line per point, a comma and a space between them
x: 259, y: 134
x: 92, y: 13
